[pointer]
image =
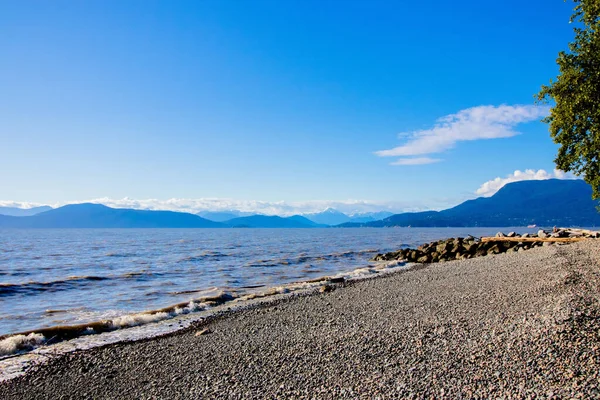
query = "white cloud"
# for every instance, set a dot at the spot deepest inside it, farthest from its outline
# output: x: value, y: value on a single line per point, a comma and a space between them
x: 476, y: 123
x: 19, y: 204
x: 283, y: 208
x: 416, y: 161
x: 255, y: 206
x: 492, y: 186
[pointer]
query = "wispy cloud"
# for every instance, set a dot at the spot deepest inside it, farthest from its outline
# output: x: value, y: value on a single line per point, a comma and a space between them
x: 476, y: 123
x: 416, y: 161
x: 492, y: 186
x: 19, y: 204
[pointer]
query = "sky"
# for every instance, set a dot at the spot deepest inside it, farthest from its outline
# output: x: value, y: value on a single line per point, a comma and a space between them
x: 301, y: 105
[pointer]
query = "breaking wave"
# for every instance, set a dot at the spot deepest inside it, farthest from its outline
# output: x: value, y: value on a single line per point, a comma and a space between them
x: 26, y: 341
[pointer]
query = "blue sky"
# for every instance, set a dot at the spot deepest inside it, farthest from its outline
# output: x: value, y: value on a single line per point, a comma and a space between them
x: 272, y: 101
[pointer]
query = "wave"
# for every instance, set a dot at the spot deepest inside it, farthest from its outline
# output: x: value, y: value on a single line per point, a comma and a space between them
x: 25, y: 341
x: 120, y: 255
x: 206, y: 255
x: 303, y: 258
x: 71, y: 282
x: 19, y: 343
x: 12, y: 289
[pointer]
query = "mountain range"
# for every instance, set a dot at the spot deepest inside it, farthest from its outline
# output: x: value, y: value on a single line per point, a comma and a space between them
x: 544, y: 203
x: 550, y: 202
x: 23, y: 212
x: 222, y: 216
x: 329, y: 216
x: 334, y: 217
x: 272, y: 221
x: 99, y: 216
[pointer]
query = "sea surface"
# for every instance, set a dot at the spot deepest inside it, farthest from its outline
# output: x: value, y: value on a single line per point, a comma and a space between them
x: 51, y: 277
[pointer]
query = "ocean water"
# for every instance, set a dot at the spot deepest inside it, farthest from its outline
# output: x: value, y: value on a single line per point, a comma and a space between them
x: 65, y: 277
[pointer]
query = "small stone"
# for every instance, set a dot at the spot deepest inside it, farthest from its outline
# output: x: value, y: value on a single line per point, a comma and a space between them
x: 326, y: 288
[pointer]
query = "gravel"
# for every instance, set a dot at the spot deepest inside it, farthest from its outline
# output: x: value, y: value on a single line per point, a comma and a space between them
x: 514, y: 325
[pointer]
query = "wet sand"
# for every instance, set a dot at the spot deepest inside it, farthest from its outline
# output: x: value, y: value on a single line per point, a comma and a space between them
x: 514, y: 325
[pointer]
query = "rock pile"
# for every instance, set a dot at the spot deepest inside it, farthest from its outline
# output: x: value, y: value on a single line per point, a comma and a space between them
x: 464, y: 248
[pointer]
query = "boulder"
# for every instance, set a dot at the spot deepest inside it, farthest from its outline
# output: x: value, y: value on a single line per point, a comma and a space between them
x: 500, y: 234
x: 542, y: 234
x: 441, y: 247
x: 469, y: 248
x: 494, y: 250
x: 481, y: 251
x: 511, y: 234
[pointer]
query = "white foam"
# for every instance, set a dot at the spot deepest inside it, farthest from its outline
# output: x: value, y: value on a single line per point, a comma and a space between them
x: 126, y: 321
x: 138, y: 319
x: 17, y: 343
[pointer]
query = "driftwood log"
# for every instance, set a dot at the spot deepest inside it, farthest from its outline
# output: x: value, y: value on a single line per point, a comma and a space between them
x: 531, y: 239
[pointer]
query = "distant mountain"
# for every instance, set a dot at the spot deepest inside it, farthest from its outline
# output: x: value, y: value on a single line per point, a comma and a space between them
x: 23, y: 212
x: 369, y: 217
x: 305, y: 221
x: 376, y: 216
x: 328, y: 217
x: 220, y: 216
x: 100, y: 216
x: 550, y: 202
x: 334, y: 217
x: 271, y: 221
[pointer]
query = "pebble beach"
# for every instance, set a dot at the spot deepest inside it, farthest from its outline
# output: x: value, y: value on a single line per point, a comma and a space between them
x: 512, y: 325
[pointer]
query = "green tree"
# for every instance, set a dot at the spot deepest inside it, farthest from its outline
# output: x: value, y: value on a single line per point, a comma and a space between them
x: 574, y: 119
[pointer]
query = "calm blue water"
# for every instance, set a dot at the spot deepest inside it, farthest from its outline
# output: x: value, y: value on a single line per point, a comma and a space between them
x: 56, y: 277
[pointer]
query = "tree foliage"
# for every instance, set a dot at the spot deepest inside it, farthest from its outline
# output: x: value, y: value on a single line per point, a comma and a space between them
x: 574, y: 119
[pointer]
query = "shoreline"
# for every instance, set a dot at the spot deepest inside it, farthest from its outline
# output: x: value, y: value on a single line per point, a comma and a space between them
x: 504, y: 325
x: 165, y: 321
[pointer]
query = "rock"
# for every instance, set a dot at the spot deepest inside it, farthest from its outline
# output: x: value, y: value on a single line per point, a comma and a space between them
x: 423, y: 259
x: 326, y: 288
x: 511, y: 234
x: 525, y: 235
x: 494, y: 250
x: 440, y: 248
x: 481, y: 252
x: 500, y: 234
x: 542, y: 234
x: 339, y: 279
